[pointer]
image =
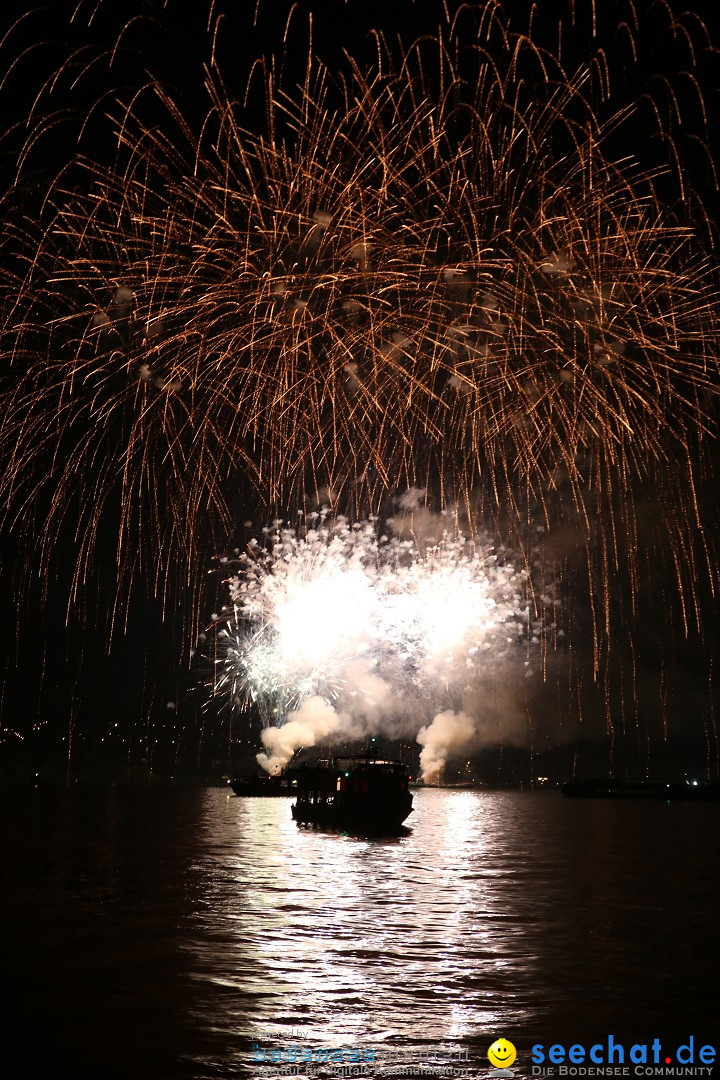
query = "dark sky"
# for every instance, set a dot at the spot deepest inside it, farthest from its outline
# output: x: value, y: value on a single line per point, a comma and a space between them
x: 61, y: 680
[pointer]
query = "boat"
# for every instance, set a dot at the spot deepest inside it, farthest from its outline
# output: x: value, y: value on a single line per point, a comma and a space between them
x: 670, y: 790
x: 360, y: 793
x: 266, y: 787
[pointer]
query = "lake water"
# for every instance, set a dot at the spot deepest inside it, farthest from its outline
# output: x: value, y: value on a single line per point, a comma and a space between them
x: 155, y: 933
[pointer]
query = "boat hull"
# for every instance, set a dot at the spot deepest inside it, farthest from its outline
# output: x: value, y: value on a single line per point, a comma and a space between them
x: 385, y: 816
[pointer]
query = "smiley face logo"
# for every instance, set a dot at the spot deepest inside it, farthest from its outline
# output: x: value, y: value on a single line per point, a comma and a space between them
x: 502, y: 1054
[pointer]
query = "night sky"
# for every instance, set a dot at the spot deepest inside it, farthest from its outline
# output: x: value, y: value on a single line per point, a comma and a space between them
x: 110, y: 665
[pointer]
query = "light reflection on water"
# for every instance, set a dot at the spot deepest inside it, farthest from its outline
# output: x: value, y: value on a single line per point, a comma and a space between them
x: 163, y: 932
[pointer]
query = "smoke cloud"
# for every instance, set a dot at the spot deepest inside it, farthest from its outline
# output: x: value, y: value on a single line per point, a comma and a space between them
x: 314, y: 720
x: 448, y: 734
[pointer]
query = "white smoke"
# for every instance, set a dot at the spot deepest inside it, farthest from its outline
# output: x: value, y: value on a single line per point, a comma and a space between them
x: 314, y: 720
x: 448, y: 734
x: 369, y: 696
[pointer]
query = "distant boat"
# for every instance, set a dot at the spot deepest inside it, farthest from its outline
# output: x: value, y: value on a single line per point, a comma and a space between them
x: 675, y: 790
x: 282, y: 784
x: 353, y: 792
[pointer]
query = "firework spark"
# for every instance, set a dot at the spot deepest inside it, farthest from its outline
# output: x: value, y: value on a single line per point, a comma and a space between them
x: 440, y: 268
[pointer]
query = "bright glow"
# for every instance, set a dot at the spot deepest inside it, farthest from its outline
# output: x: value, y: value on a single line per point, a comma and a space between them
x: 449, y: 603
x: 375, y: 628
x: 316, y: 619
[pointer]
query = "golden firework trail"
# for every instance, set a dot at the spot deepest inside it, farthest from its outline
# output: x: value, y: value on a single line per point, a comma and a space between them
x: 443, y: 268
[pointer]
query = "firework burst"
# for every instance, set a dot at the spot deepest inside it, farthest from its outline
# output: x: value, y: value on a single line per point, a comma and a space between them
x: 440, y: 268
x: 346, y: 631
